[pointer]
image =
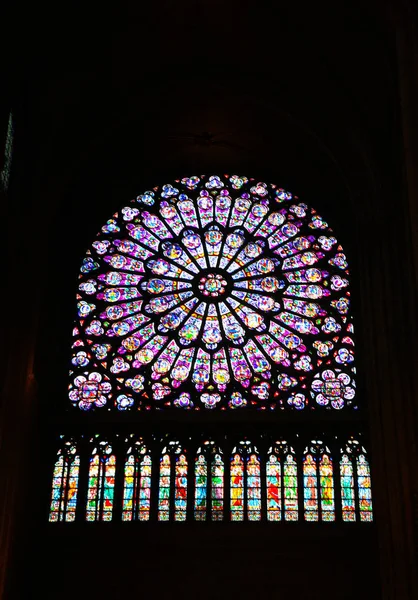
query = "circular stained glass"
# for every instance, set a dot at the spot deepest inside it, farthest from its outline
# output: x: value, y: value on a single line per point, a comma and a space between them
x: 222, y: 290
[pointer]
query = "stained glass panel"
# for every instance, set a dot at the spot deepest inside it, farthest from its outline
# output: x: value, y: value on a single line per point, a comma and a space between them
x: 326, y: 479
x: 232, y: 288
x: 237, y: 488
x: 310, y: 488
x: 65, y: 486
x: 291, y: 499
x: 274, y: 491
x: 201, y: 483
x: 129, y: 488
x: 348, y: 506
x: 164, y: 488
x: 101, y: 485
x: 137, y: 488
x: 217, y: 481
x: 253, y: 488
x: 180, y: 488
x: 364, y: 489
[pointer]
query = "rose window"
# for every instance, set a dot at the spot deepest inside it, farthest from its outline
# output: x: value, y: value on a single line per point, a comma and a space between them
x: 214, y: 293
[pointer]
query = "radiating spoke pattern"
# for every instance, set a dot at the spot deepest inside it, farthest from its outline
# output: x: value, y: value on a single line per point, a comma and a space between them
x: 214, y: 293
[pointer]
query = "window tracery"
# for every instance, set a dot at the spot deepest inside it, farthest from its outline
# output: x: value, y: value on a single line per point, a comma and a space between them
x: 214, y: 293
x: 65, y: 483
x: 277, y: 484
x: 101, y: 482
x: 137, y: 483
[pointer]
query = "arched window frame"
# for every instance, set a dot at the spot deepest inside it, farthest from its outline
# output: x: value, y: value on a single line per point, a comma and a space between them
x: 101, y: 483
x: 282, y: 483
x: 65, y: 483
x: 209, y: 483
x: 355, y: 481
x: 137, y: 482
x: 173, y: 483
x: 245, y: 482
x: 318, y: 483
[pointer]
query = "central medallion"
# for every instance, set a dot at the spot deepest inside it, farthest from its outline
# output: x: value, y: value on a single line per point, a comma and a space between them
x: 212, y: 285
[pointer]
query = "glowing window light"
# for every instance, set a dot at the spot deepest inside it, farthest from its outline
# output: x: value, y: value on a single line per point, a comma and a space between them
x: 201, y: 483
x: 164, y: 489
x: 310, y: 488
x: 290, y: 479
x: 348, y: 505
x: 274, y: 489
x: 101, y: 484
x: 326, y: 482
x: 203, y: 285
x: 217, y: 485
x: 180, y: 496
x: 65, y: 485
x: 137, y: 485
x: 253, y: 488
x: 364, y: 489
x: 237, y: 488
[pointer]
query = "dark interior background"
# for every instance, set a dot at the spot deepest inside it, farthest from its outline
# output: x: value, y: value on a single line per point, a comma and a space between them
x: 106, y: 107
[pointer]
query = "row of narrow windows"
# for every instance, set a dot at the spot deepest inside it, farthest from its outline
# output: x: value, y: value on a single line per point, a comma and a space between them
x: 175, y: 483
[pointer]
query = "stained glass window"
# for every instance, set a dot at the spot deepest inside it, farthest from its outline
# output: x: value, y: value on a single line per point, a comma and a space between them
x: 356, y: 487
x: 101, y: 483
x: 65, y: 484
x: 164, y: 488
x: 201, y: 483
x: 214, y: 293
x: 326, y: 483
x: 209, y: 483
x: 253, y: 488
x: 348, y: 506
x: 180, y: 504
x: 173, y: 472
x: 310, y: 488
x: 217, y: 481
x: 364, y: 489
x: 274, y: 488
x: 137, y: 483
x: 237, y: 487
x: 193, y: 475
x: 281, y: 467
x: 318, y: 483
x: 290, y: 478
x: 245, y: 481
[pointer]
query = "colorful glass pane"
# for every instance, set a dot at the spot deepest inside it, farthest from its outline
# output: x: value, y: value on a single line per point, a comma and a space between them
x: 180, y: 503
x: 326, y: 480
x: 273, y: 479
x: 129, y: 489
x: 310, y: 488
x: 253, y: 488
x: 137, y: 488
x: 64, y: 487
x: 201, y: 483
x: 348, y: 506
x: 364, y: 489
x: 290, y: 484
x: 217, y: 481
x: 237, y: 488
x: 101, y: 487
x: 164, y: 489
x: 230, y: 286
x: 145, y: 488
